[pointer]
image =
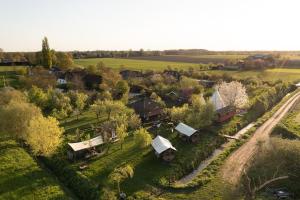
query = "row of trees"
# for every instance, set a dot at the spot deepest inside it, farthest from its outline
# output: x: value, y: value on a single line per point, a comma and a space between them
x: 25, y: 122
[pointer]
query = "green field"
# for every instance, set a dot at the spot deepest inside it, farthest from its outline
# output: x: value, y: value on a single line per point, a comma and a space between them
x: 117, y: 63
x: 22, y: 178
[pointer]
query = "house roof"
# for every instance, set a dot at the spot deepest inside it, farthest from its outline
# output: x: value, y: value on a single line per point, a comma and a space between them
x: 298, y: 84
x: 146, y: 107
x: 217, y: 100
x: 86, y: 144
x: 161, y: 144
x: 185, y: 129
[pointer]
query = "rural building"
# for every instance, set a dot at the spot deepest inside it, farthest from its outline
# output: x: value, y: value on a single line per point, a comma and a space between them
x: 146, y: 108
x: 127, y: 74
x: 223, y: 111
x: 187, y: 132
x: 172, y: 73
x: 81, y: 149
x: 61, y: 81
x: 163, y: 148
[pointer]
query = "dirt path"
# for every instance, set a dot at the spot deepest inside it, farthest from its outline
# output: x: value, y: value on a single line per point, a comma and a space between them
x: 214, y: 155
x: 237, y: 161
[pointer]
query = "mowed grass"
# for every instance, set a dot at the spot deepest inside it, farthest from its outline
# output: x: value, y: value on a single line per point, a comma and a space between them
x: 22, y: 178
x: 8, y: 75
x: 119, y: 63
x: 291, y: 75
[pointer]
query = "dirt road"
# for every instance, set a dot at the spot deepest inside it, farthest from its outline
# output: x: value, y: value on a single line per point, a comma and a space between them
x: 237, y: 161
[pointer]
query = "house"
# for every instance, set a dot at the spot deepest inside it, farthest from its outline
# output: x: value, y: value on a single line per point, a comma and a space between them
x: 187, y: 132
x: 61, y: 81
x: 146, y: 108
x: 224, y: 112
x: 172, y: 73
x: 81, y: 149
x: 126, y: 74
x: 163, y: 148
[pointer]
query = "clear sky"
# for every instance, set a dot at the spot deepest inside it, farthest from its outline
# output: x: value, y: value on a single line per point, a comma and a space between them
x: 150, y: 24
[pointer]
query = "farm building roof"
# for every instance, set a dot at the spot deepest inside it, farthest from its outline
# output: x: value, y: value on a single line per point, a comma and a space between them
x: 161, y: 144
x: 185, y: 129
x: 217, y: 101
x: 86, y: 144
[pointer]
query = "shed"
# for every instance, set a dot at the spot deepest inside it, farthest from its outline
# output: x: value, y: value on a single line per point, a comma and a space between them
x: 163, y: 148
x: 79, y: 149
x: 187, y: 131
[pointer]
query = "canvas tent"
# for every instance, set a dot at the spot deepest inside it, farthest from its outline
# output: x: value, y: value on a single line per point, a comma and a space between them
x: 217, y: 101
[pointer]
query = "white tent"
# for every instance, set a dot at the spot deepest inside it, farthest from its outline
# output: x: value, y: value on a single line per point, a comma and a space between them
x: 86, y: 144
x: 298, y: 84
x: 161, y: 144
x: 185, y: 129
x: 217, y: 100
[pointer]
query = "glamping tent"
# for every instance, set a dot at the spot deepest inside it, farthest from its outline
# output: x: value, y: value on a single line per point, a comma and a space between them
x: 188, y: 132
x: 163, y: 148
x: 79, y: 149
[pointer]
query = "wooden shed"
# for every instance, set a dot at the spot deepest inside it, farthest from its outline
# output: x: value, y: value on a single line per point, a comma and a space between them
x: 189, y: 133
x: 163, y: 148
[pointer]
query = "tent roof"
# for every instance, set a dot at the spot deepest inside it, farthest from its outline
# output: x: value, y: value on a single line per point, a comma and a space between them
x: 185, y: 129
x: 86, y: 144
x: 298, y: 84
x: 217, y: 100
x: 161, y: 144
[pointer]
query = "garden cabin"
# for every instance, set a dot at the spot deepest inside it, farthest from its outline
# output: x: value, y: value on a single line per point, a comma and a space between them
x: 225, y: 113
x: 163, y: 148
x: 187, y: 132
x: 146, y: 108
x: 83, y: 149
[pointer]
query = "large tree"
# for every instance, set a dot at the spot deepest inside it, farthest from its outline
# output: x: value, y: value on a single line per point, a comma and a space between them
x: 142, y: 138
x: 120, y: 174
x: 64, y: 60
x: 46, y: 54
x: 44, y: 135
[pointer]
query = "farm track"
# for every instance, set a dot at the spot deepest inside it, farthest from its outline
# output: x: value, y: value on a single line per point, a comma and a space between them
x: 233, y: 167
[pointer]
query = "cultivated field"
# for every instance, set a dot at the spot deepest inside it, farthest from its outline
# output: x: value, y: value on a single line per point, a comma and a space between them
x: 117, y: 63
x: 22, y: 178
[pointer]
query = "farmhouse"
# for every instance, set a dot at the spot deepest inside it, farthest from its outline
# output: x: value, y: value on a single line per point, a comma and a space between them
x: 80, y: 149
x: 163, y: 148
x: 187, y: 132
x: 146, y: 108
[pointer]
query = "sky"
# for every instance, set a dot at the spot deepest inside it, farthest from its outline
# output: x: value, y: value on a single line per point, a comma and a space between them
x: 150, y: 24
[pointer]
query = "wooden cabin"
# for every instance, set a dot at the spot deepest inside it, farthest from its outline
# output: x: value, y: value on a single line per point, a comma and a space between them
x: 163, y: 148
x: 225, y: 113
x: 83, y: 149
x: 188, y: 133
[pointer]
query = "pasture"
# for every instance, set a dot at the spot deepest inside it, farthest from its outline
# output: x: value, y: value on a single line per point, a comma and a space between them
x: 22, y: 178
x: 119, y: 63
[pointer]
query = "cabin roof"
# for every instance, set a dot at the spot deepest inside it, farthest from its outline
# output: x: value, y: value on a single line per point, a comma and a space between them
x: 161, y: 144
x: 86, y: 144
x: 185, y: 129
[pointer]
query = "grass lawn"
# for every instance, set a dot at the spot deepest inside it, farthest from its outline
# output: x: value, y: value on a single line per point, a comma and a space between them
x: 148, y: 169
x: 22, y: 178
x: 8, y: 73
x: 117, y: 63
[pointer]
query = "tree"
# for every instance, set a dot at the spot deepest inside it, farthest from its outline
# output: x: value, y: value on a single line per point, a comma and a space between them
x: 187, y: 83
x: 37, y: 96
x: 59, y: 104
x: 134, y: 122
x: 142, y: 138
x: 108, y: 195
x: 64, y: 60
x: 78, y: 100
x: 121, y: 90
x: 9, y: 94
x: 120, y: 174
x: 121, y: 133
x: 44, y: 135
x: 178, y: 114
x: 46, y: 54
x: 15, y: 118
x: 233, y: 94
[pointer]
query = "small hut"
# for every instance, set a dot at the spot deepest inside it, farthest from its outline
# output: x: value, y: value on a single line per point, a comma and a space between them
x: 189, y: 133
x: 81, y: 149
x: 163, y: 148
